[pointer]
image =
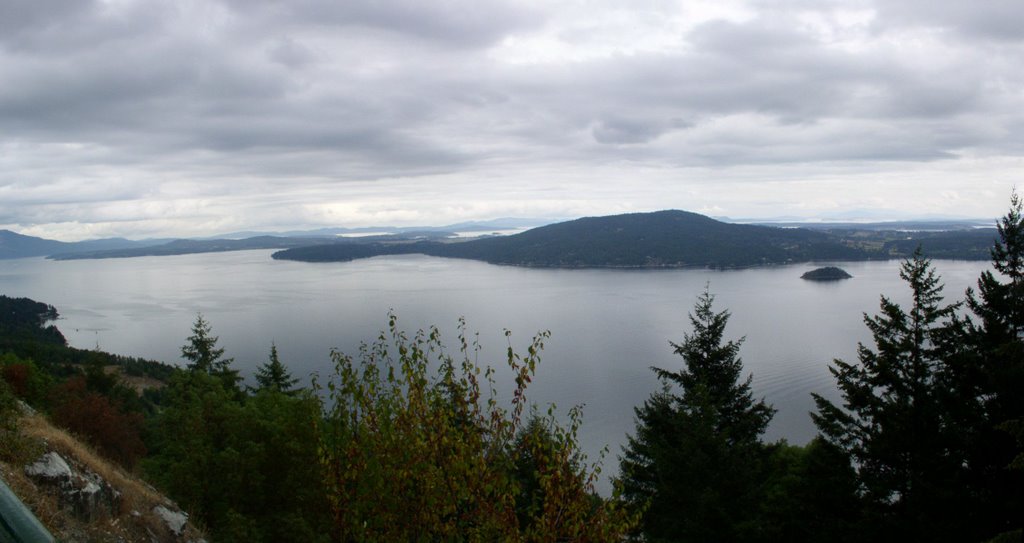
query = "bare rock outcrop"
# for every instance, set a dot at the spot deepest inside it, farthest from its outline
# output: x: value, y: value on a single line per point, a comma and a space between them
x: 80, y: 491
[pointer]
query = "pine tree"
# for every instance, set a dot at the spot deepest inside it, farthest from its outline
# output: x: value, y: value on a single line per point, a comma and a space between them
x: 696, y: 457
x: 273, y: 375
x: 893, y: 424
x: 204, y: 356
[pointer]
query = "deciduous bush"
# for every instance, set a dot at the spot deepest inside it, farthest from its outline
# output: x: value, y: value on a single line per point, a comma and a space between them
x: 115, y: 433
x: 417, y: 446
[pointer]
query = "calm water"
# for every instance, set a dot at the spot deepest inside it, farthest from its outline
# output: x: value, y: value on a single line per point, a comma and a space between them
x: 608, y: 327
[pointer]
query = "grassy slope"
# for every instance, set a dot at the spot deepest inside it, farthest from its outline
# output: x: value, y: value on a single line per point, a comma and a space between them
x: 134, y: 522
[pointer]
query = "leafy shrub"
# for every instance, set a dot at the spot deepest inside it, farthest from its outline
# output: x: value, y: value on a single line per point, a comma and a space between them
x: 26, y: 380
x: 14, y: 447
x: 115, y: 433
x: 413, y: 451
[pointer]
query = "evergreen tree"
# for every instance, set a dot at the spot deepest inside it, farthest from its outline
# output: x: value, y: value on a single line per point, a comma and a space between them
x: 696, y: 458
x: 1000, y: 306
x: 248, y: 471
x: 204, y: 356
x: 810, y: 496
x: 989, y: 380
x: 274, y: 375
x: 893, y: 424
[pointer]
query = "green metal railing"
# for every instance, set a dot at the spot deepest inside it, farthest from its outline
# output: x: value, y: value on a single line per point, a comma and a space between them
x: 17, y: 523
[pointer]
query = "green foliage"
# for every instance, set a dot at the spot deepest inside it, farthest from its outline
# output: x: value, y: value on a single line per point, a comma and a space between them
x: 9, y: 436
x: 34, y: 356
x: 22, y: 319
x: 248, y: 470
x: 895, y: 423
x: 274, y: 375
x: 14, y: 447
x: 696, y: 458
x: 809, y: 495
x: 412, y: 451
x: 987, y: 377
x: 137, y: 367
x: 26, y: 380
x: 204, y: 356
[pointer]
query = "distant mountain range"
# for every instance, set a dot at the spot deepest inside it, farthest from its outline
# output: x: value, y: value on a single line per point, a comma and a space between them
x: 507, y: 223
x: 14, y: 245
x: 663, y: 239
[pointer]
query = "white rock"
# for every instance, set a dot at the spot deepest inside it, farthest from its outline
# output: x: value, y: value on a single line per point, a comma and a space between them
x: 50, y: 466
x: 175, y: 519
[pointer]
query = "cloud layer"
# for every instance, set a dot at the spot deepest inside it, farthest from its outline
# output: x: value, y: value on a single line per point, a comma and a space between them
x: 122, y: 117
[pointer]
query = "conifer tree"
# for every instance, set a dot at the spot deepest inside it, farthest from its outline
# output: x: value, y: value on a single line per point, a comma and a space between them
x: 696, y: 457
x: 204, y: 356
x: 893, y: 424
x: 273, y: 375
x: 989, y: 381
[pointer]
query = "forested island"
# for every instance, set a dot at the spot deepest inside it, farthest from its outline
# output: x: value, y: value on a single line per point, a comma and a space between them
x: 828, y: 273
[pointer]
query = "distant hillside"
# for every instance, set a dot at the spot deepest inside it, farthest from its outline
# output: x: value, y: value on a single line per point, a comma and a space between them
x: 664, y: 239
x: 14, y: 245
x: 653, y: 240
x: 671, y: 239
x: 953, y: 245
x: 192, y: 246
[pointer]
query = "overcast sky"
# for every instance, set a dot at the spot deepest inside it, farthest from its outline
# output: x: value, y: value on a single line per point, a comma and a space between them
x: 138, y: 119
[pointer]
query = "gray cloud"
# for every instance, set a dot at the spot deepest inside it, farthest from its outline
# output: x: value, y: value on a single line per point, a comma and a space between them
x: 175, y: 111
x: 464, y: 23
x: 994, y: 20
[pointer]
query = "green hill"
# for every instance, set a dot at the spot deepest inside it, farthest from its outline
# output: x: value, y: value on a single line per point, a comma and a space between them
x: 663, y: 239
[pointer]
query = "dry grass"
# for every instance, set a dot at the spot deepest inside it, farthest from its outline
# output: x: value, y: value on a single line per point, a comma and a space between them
x: 44, y: 508
x: 134, y: 493
x: 136, y: 383
x: 136, y: 496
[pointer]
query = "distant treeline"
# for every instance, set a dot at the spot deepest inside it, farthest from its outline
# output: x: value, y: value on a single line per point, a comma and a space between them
x: 27, y: 331
x: 667, y: 239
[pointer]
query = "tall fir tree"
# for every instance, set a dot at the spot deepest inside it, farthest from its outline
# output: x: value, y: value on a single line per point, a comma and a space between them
x: 274, y: 375
x: 989, y: 381
x: 893, y: 424
x: 204, y: 356
x: 696, y: 458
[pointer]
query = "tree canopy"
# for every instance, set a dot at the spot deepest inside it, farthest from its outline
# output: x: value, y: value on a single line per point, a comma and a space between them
x: 205, y: 356
x: 274, y: 375
x: 892, y: 423
x: 695, y: 458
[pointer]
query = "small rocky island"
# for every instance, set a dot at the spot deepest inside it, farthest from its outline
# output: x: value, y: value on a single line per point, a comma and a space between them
x: 828, y: 273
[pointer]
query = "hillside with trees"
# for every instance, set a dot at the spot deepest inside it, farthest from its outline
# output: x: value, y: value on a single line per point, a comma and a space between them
x: 404, y: 441
x: 666, y: 239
